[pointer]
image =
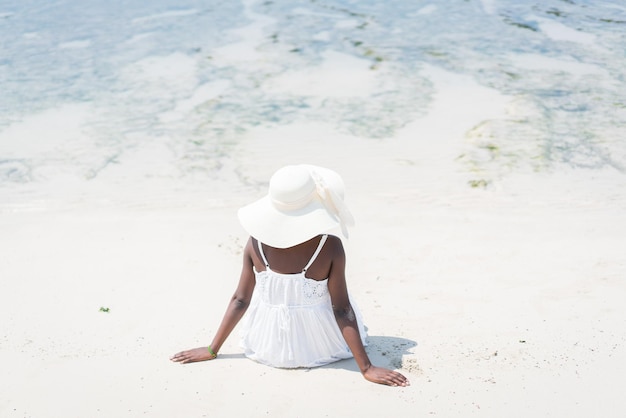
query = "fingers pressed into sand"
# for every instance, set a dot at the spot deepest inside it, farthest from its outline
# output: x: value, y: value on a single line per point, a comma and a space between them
x: 386, y: 377
x: 192, y: 356
x: 395, y: 379
x: 399, y: 380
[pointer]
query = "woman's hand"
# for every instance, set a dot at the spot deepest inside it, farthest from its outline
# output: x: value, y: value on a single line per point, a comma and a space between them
x: 191, y: 356
x: 385, y: 376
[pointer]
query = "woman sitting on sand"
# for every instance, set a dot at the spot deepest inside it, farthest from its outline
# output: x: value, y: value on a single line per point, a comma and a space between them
x: 292, y: 286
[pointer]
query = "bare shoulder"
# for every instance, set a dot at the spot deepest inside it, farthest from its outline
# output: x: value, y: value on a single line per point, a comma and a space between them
x: 249, y: 251
x: 252, y: 256
x: 334, y: 246
x: 334, y: 242
x: 249, y: 247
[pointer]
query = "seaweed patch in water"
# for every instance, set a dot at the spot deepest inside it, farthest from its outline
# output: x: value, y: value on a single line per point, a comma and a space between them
x: 370, y: 54
x: 438, y: 54
x: 556, y: 12
x: 612, y: 21
x: 520, y: 25
x: 491, y: 147
x: 513, y: 76
x: 482, y: 183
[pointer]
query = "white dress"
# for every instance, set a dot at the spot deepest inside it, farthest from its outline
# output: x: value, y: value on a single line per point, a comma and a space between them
x: 290, y: 321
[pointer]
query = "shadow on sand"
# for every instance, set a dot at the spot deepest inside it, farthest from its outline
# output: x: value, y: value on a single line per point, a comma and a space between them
x: 391, y: 352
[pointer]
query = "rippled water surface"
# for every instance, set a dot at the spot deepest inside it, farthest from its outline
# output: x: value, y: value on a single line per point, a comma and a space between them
x: 84, y: 83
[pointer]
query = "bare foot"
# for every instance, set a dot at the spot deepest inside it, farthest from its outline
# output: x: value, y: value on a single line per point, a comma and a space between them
x: 385, y: 377
x: 191, y: 356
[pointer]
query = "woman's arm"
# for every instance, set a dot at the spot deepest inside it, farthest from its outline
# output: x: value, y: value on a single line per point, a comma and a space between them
x: 234, y: 312
x: 346, y: 319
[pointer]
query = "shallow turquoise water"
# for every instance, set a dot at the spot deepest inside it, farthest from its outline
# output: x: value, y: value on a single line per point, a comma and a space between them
x: 139, y: 66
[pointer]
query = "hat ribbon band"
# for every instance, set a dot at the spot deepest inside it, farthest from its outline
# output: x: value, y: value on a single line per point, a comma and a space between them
x: 294, y: 205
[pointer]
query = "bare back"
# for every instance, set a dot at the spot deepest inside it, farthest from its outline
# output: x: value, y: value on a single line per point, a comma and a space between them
x: 292, y: 260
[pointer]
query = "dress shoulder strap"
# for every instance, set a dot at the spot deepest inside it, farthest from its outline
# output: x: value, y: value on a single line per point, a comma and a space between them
x: 262, y: 254
x: 316, y: 253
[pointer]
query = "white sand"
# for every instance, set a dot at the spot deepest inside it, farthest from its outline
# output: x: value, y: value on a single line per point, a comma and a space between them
x: 504, y: 301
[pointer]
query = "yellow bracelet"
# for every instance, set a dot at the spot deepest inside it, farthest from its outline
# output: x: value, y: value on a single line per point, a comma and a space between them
x: 212, y: 352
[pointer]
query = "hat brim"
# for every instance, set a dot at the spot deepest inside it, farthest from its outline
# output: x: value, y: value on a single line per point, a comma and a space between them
x: 280, y: 229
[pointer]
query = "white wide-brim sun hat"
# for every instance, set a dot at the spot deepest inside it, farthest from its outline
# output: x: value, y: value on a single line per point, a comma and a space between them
x: 303, y: 201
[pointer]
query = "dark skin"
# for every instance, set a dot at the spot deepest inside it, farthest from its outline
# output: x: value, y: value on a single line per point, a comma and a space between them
x: 330, y: 263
